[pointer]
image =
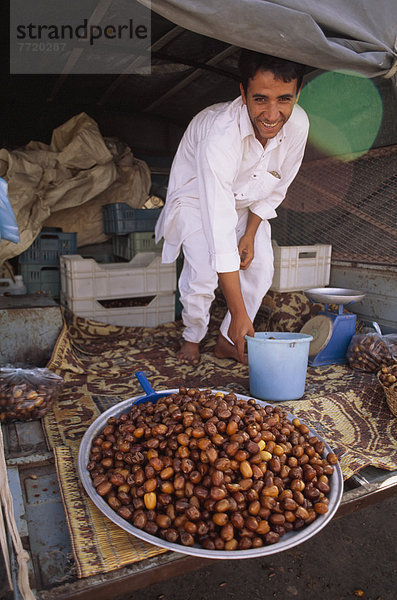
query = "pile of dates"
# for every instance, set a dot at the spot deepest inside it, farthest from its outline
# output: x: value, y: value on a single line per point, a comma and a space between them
x: 212, y: 470
x: 27, y: 394
x: 370, y: 351
x: 388, y: 375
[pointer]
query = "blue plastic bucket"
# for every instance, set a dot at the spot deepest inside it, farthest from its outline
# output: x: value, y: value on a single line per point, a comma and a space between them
x: 278, y: 364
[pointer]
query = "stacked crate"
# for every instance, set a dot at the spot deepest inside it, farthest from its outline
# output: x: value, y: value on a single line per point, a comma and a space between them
x: 102, y: 253
x: 140, y: 292
x: 40, y: 263
x: 132, y: 229
x: 299, y: 268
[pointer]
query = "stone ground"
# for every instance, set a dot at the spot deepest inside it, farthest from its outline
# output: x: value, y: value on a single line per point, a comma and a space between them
x: 352, y: 557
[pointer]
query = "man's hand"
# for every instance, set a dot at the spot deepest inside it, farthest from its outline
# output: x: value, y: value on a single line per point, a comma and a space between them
x: 246, y: 243
x: 240, y: 326
x: 246, y: 251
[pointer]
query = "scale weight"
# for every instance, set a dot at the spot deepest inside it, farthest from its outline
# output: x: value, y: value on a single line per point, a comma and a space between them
x: 331, y: 331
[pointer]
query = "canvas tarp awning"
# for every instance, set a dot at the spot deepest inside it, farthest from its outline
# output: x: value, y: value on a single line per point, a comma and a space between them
x: 354, y: 35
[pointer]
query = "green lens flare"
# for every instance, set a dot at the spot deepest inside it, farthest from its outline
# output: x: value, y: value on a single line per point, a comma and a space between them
x: 345, y: 112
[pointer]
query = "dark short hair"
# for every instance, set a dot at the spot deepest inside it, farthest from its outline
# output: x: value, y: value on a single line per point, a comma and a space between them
x: 250, y: 62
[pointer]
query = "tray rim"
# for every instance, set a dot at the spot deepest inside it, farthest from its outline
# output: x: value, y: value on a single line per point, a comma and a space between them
x: 288, y: 541
x: 334, y: 295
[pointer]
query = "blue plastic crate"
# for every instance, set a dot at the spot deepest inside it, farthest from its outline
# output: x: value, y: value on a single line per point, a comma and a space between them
x: 44, y: 279
x: 48, y: 246
x: 120, y: 218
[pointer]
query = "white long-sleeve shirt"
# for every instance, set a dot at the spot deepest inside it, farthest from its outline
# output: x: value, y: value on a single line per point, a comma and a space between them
x: 221, y: 167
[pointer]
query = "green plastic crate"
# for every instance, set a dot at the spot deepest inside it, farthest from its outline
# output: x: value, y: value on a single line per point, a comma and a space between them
x: 138, y: 241
x: 102, y: 253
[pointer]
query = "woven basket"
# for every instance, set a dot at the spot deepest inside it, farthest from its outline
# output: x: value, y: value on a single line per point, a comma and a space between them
x: 391, y: 395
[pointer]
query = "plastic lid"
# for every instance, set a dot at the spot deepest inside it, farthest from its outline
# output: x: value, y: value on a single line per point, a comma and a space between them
x: 320, y: 328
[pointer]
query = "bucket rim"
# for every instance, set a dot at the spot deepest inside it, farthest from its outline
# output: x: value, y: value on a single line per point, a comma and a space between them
x: 299, y: 338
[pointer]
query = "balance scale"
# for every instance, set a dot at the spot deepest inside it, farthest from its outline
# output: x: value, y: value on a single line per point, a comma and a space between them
x: 331, y: 331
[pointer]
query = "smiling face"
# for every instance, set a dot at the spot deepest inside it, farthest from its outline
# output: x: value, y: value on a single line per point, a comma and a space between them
x: 269, y: 102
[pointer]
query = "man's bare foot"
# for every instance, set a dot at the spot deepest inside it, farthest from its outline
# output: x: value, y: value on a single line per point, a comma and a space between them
x: 224, y: 349
x: 189, y: 353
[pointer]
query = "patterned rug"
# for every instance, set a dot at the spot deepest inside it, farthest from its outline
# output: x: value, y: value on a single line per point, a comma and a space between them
x: 98, y: 362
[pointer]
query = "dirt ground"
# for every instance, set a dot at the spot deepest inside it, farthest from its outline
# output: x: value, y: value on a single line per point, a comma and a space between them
x: 352, y: 557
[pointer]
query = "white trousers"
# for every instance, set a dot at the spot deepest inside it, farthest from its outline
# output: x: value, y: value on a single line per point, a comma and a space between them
x: 198, y: 280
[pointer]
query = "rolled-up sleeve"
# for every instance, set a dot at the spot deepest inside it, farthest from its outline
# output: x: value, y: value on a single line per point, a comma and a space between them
x: 217, y: 165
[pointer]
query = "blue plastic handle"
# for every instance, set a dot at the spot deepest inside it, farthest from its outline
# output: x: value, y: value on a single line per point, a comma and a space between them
x: 145, y: 384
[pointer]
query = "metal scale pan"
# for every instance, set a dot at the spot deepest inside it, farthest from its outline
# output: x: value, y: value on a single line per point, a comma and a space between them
x: 339, y: 296
x: 331, y: 331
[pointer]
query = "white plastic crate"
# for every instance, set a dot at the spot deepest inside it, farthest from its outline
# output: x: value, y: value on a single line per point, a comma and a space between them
x: 144, y: 274
x: 155, y: 310
x: 299, y: 268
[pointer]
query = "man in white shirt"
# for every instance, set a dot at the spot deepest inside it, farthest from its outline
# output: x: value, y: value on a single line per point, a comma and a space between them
x: 232, y: 169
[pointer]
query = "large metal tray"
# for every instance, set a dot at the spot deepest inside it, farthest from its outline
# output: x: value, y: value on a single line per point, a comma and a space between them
x: 289, y: 540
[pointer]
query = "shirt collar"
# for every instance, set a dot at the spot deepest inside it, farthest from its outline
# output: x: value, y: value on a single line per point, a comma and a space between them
x: 246, y: 128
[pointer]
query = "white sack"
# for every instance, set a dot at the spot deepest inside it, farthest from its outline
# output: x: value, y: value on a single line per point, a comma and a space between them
x: 65, y: 184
